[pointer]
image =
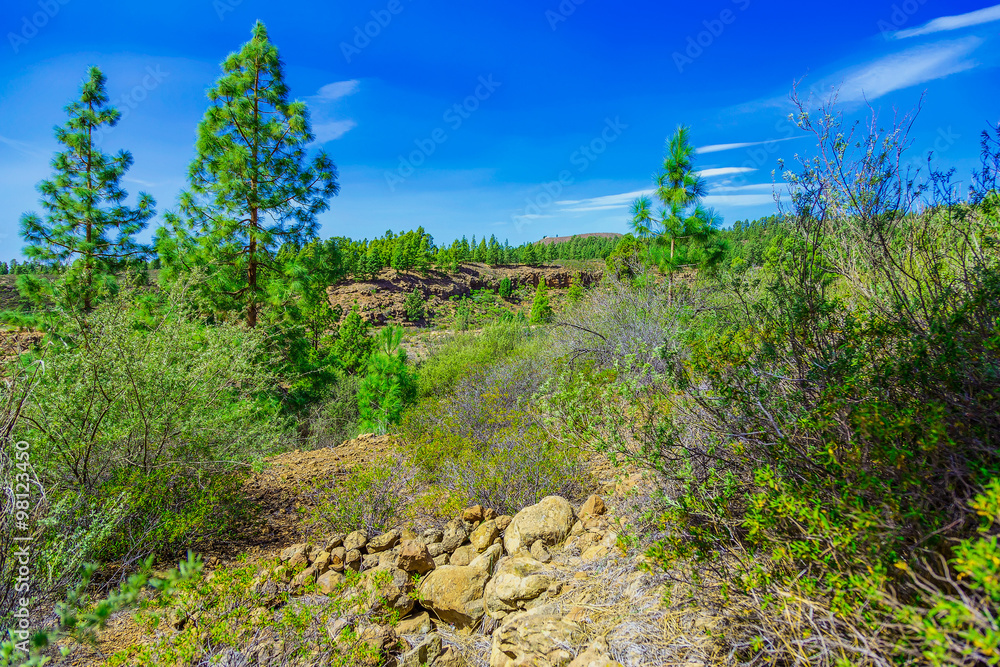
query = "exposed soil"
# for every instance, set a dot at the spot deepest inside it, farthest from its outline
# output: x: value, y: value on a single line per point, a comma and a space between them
x: 382, y: 300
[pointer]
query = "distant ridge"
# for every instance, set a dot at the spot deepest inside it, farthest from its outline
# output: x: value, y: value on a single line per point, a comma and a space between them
x: 548, y: 240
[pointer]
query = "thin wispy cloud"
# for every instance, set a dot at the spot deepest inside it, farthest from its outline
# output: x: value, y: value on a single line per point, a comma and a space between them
x: 945, y: 23
x: 905, y: 69
x: 335, y: 130
x: 605, y: 203
x: 753, y: 187
x: 717, y: 148
x: 724, y: 171
x: 738, y: 200
x: 19, y: 146
x: 336, y: 90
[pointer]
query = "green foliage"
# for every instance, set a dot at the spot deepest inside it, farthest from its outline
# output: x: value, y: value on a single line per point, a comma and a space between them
x: 388, y: 384
x: 354, y: 344
x: 466, y: 353
x: 541, y: 309
x: 79, y: 620
x: 87, y: 226
x: 575, y: 293
x: 140, y: 430
x: 415, y: 305
x: 372, y: 497
x: 251, y: 188
x: 506, y: 288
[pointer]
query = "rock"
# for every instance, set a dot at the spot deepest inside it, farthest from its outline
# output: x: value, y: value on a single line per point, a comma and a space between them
x: 488, y: 559
x: 455, y: 594
x: 594, y: 506
x: 282, y: 574
x: 288, y: 553
x: 595, y: 523
x: 383, y: 542
x: 464, y: 555
x: 541, y: 638
x: 550, y: 520
x: 436, y: 549
x: 307, y: 576
x: 356, y: 540
x: 515, y: 583
x: 473, y: 514
x: 322, y: 562
x: 588, y: 540
x: 352, y: 560
x: 423, y: 654
x: 328, y: 581
x: 454, y: 535
x: 336, y: 626
x: 596, y: 552
x: 577, y: 529
x: 539, y: 552
x: 433, y: 536
x: 483, y: 536
x: 503, y: 521
x: 334, y: 542
x: 337, y: 559
x: 450, y: 658
x: 596, y: 655
x: 415, y: 625
x: 369, y: 561
x: 388, y: 557
x: 443, y: 559
x: 489, y: 514
x: 415, y: 558
x: 388, y: 588
x: 380, y: 637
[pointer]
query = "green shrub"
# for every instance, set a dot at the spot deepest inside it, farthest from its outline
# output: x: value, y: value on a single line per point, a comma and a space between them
x: 415, y: 305
x: 506, y: 288
x: 388, y: 384
x: 140, y: 431
x: 541, y: 309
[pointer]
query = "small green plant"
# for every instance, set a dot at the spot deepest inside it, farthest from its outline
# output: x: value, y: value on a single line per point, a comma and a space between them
x: 541, y: 309
x: 415, y: 305
x: 506, y: 288
x: 575, y: 292
x: 354, y: 344
x: 388, y: 384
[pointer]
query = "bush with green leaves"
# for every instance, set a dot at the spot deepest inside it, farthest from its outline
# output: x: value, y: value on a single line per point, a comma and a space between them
x: 371, y: 497
x: 415, y: 305
x: 541, y: 309
x: 388, y: 384
x: 506, y: 289
x: 147, y: 423
x: 354, y: 343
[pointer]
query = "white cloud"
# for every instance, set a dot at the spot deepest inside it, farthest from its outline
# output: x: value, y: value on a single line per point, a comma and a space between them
x: 336, y: 90
x: 907, y: 68
x: 738, y: 200
x: 335, y: 130
x: 19, y: 146
x: 724, y: 171
x: 753, y: 187
x: 944, y: 23
x: 715, y: 148
x: 605, y: 203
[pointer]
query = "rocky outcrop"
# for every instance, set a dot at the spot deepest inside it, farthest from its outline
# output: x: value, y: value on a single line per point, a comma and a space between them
x: 480, y: 571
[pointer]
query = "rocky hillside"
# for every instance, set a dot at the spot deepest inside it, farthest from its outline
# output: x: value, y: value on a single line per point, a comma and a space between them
x: 381, y: 301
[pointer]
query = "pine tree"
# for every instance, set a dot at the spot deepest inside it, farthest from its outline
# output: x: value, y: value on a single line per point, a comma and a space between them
x: 575, y: 292
x: 388, y: 384
x: 87, y: 225
x: 354, y: 345
x: 252, y: 189
x: 541, y: 310
x: 681, y: 216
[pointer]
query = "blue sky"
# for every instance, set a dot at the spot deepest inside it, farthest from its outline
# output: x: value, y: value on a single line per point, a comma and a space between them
x: 519, y: 119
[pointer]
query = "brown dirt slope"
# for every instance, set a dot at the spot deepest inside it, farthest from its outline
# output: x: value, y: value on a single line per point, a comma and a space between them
x: 381, y: 300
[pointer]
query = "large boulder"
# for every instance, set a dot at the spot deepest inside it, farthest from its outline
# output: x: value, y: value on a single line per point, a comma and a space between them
x: 549, y: 521
x: 517, y: 582
x: 540, y: 638
x: 454, y: 594
x: 483, y: 536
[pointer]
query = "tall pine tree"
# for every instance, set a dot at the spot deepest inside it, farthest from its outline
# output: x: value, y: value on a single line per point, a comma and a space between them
x: 252, y: 187
x: 87, y: 226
